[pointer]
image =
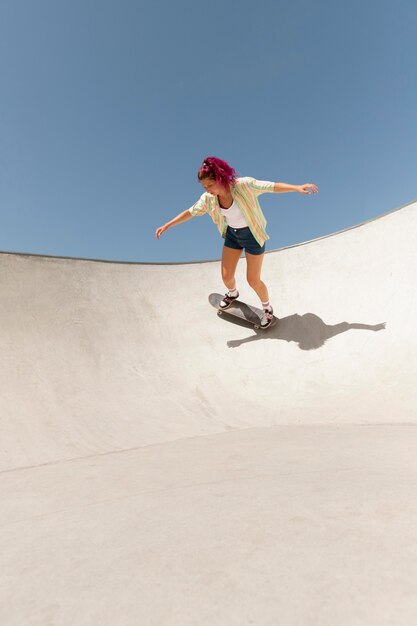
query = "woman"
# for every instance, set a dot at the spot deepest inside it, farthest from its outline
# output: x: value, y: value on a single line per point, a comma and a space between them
x: 233, y: 205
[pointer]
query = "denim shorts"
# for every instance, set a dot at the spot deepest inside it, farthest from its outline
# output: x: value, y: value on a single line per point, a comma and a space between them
x: 242, y: 238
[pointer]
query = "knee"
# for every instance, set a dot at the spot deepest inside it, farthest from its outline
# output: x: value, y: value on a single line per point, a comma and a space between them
x: 254, y: 281
x: 227, y: 275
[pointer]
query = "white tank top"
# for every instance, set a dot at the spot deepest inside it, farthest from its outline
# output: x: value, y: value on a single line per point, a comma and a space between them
x: 234, y: 216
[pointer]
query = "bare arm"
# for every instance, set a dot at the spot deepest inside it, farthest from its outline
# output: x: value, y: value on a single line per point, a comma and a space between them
x: 285, y: 188
x: 179, y: 219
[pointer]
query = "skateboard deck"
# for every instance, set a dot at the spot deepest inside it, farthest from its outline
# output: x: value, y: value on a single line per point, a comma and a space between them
x: 241, y: 310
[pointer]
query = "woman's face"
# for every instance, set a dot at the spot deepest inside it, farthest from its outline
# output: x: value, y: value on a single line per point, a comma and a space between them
x: 212, y: 186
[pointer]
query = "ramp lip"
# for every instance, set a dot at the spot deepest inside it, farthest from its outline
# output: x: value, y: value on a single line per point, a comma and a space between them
x: 175, y: 263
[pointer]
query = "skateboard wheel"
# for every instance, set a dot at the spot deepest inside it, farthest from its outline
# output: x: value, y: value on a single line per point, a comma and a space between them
x: 256, y: 327
x: 219, y: 313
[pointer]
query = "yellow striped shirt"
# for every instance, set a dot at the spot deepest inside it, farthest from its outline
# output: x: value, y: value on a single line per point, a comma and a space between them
x: 245, y: 194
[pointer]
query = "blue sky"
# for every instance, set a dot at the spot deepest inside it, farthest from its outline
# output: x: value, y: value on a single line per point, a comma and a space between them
x: 108, y: 108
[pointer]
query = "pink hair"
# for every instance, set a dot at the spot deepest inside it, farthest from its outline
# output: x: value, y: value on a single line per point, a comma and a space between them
x: 217, y: 170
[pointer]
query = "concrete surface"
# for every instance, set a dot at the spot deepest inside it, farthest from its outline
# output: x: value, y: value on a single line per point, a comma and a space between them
x: 163, y: 466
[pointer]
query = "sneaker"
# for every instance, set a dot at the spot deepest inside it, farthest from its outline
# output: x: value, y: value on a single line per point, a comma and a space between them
x: 267, y: 318
x: 228, y: 300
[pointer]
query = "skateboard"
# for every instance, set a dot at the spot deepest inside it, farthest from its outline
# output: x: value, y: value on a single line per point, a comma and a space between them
x: 241, y: 310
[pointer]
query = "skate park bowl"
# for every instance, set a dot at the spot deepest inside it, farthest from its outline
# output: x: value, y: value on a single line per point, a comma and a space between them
x: 163, y: 466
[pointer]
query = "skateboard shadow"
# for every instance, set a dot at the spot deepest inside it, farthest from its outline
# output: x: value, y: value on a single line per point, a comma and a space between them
x: 309, y: 331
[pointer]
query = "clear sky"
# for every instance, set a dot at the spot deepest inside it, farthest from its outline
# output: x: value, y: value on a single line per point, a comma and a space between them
x: 107, y: 109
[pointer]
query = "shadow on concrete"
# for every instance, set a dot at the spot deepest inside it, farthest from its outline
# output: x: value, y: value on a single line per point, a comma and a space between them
x: 308, y: 331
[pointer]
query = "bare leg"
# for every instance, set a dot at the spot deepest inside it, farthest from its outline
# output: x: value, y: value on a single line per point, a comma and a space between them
x: 230, y: 259
x: 254, y: 268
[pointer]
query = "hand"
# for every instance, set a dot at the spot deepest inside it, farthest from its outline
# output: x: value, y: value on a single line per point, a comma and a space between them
x: 161, y: 230
x: 308, y: 188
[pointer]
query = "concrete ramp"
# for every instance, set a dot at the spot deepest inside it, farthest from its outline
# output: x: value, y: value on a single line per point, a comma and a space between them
x: 162, y: 465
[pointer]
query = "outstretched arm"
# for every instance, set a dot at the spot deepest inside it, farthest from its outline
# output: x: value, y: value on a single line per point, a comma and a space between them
x: 181, y: 217
x: 285, y: 188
